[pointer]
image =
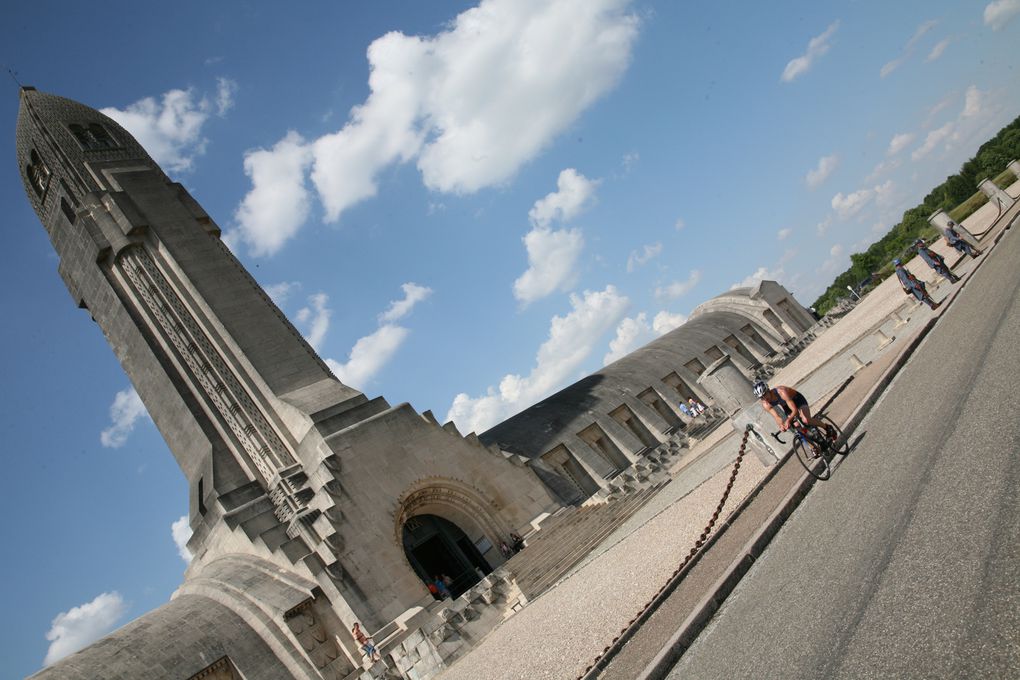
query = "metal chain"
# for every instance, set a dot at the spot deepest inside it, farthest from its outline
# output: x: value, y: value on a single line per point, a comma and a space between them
x: 694, y: 551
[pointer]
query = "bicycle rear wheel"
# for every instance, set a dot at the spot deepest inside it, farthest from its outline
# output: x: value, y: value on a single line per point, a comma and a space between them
x: 812, y: 457
x: 838, y: 445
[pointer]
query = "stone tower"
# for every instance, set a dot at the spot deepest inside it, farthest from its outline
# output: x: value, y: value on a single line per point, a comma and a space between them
x: 311, y: 505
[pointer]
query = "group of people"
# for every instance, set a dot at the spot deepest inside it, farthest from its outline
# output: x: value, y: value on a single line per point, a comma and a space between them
x: 439, y: 586
x: 693, y: 408
x: 515, y: 545
x: 914, y: 286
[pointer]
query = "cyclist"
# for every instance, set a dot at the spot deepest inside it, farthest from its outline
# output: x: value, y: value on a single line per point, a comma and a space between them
x: 935, y: 261
x: 912, y: 286
x: 791, y: 403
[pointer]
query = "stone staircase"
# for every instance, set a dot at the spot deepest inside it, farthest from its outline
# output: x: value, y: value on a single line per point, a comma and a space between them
x: 558, y: 547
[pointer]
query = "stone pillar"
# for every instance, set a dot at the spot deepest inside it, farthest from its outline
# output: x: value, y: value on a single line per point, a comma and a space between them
x: 941, y: 221
x: 768, y: 450
x: 994, y: 193
x: 728, y: 386
x: 1014, y: 167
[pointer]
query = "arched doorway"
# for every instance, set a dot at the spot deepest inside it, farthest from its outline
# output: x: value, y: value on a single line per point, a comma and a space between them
x: 436, y: 547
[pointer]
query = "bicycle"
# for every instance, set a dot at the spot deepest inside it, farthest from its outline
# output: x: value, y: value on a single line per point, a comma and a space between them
x: 811, y: 446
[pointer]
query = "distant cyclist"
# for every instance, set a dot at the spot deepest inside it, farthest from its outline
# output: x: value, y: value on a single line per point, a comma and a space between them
x: 913, y: 286
x: 935, y: 261
x: 791, y: 403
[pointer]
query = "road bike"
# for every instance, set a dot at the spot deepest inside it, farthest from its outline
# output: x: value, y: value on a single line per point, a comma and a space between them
x: 812, y: 445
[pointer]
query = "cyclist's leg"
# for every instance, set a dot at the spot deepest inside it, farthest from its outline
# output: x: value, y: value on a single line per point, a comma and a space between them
x: 810, y: 421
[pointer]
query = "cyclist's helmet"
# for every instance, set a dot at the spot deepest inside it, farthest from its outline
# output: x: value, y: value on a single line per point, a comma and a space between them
x: 896, y: 262
x: 760, y: 388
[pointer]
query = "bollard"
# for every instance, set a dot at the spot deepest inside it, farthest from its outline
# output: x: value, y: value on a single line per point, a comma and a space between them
x: 856, y: 362
x: 883, y: 339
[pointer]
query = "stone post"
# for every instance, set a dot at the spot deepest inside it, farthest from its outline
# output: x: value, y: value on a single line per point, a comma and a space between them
x: 994, y: 193
x: 728, y: 386
x: 1014, y: 167
x: 768, y: 450
x: 941, y: 221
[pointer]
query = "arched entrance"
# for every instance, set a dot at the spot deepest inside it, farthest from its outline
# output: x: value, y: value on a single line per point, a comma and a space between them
x: 437, y: 547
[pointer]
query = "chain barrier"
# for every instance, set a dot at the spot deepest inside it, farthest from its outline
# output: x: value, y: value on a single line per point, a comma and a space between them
x: 694, y: 551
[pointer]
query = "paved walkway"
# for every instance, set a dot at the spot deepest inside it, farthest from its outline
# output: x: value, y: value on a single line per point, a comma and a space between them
x: 559, y: 634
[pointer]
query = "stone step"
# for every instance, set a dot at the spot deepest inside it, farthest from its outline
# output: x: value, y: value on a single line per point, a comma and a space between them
x: 259, y: 518
x: 545, y: 562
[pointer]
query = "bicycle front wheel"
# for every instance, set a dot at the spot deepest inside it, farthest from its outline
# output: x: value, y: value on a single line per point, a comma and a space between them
x: 812, y: 458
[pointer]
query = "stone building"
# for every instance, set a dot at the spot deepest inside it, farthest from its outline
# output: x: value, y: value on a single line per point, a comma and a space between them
x: 313, y: 506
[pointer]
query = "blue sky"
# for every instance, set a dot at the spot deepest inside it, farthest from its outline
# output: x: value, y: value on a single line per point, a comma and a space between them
x: 461, y: 207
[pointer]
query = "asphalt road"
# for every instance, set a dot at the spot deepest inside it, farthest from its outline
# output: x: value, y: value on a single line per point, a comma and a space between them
x: 906, y: 564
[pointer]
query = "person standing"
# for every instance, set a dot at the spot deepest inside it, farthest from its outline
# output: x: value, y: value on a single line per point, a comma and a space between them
x: 954, y: 239
x: 935, y: 261
x: 912, y: 286
x: 367, y: 646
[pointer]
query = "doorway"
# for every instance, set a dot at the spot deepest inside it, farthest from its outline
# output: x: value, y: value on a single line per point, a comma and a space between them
x: 437, y: 547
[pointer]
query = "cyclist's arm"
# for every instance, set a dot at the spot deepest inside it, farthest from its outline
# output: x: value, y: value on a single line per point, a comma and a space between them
x: 768, y: 407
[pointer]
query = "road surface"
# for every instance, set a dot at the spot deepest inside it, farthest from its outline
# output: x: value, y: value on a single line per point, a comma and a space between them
x: 906, y: 564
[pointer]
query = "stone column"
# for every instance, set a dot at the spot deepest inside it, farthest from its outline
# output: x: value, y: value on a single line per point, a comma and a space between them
x: 1014, y: 167
x: 941, y: 221
x: 994, y: 193
x: 728, y: 386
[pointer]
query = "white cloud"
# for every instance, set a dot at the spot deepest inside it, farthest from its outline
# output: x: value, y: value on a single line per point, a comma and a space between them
x: 678, y: 288
x: 552, y: 256
x: 835, y: 258
x: 125, y: 411
x: 181, y: 532
x: 972, y: 104
x: 637, y: 259
x: 280, y: 292
x: 934, y: 138
x: 679, y: 224
x: 847, y: 206
x: 225, y: 91
x: 826, y: 165
x: 316, y: 315
x: 476, y: 101
x: 80, y: 626
x: 908, y: 49
x: 369, y: 355
x: 884, y: 193
x: 278, y: 203
x: 413, y: 294
x: 784, y: 234
x: 170, y: 128
x: 899, y: 143
x: 937, y: 51
x: 824, y: 225
x: 1000, y: 13
x: 882, y: 168
x: 630, y: 160
x: 631, y: 333
x: 817, y: 46
x: 665, y: 321
x: 761, y: 274
x: 573, y: 193
x: 571, y: 340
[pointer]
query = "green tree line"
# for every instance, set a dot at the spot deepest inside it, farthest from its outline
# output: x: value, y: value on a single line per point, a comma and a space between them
x: 956, y: 196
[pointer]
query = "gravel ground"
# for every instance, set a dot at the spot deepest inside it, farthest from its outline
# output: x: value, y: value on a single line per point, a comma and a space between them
x: 558, y: 635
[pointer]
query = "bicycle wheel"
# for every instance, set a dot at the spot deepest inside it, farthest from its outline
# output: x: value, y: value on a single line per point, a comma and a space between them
x: 812, y: 457
x: 838, y: 445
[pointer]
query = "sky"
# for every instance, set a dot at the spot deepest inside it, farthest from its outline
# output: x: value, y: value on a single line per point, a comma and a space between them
x: 464, y: 207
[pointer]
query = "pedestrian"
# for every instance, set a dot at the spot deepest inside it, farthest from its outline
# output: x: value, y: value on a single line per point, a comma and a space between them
x: 505, y: 549
x: 935, y: 261
x: 686, y: 411
x: 954, y: 239
x: 696, y: 406
x: 441, y: 588
x: 517, y: 543
x: 912, y: 286
x: 434, y: 589
x: 367, y: 646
